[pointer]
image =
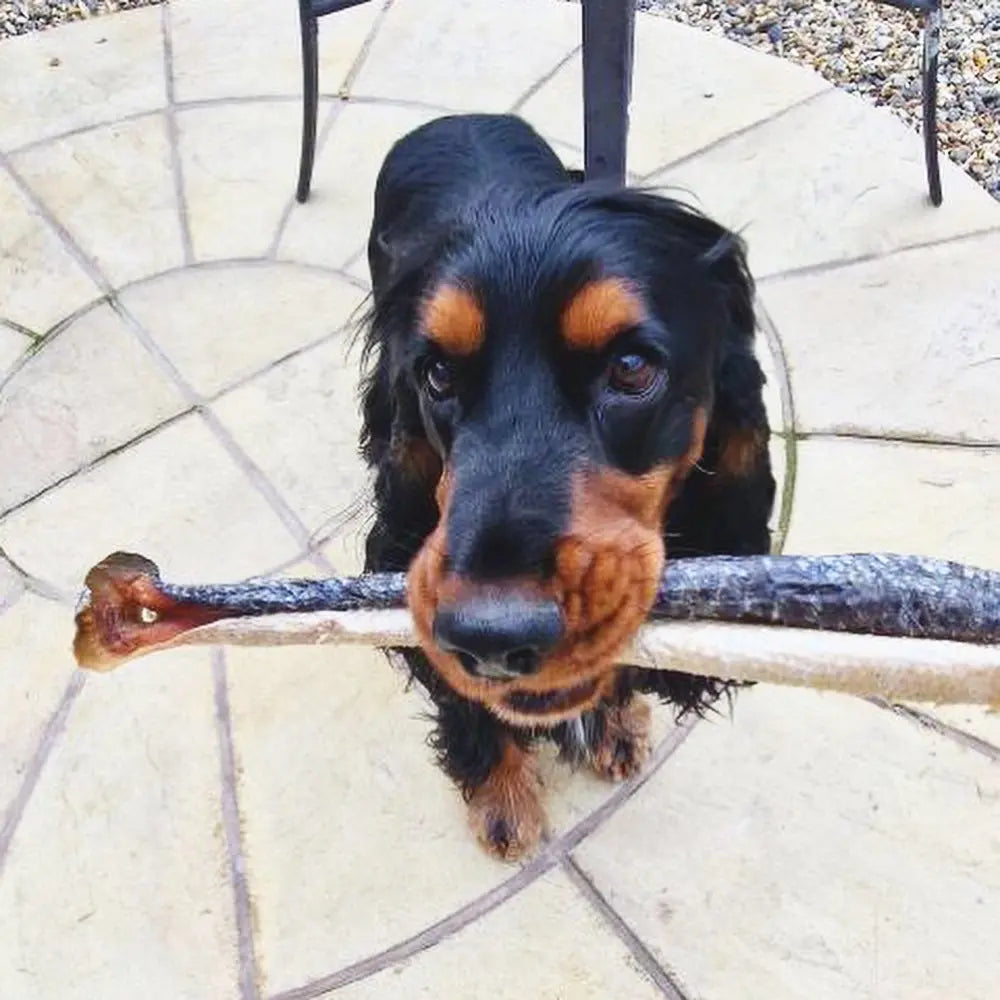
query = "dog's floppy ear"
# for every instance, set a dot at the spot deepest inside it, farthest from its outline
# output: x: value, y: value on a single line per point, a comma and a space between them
x: 394, y: 445
x: 377, y: 410
x: 738, y: 435
x: 727, y: 501
x: 737, y: 444
x: 740, y: 432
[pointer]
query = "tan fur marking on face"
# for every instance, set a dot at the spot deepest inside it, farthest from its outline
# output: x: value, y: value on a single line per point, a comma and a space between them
x: 605, y: 586
x: 572, y: 562
x: 454, y: 320
x: 607, y: 570
x: 740, y: 452
x: 573, y: 610
x: 598, y: 313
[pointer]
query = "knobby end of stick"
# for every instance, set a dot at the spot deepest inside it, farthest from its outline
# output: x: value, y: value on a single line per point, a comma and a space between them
x: 123, y: 613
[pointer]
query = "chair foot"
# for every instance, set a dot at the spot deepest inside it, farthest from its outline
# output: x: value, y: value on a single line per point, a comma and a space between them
x: 929, y: 75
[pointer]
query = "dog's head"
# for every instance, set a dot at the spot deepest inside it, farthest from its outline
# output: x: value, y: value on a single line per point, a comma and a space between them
x: 551, y: 364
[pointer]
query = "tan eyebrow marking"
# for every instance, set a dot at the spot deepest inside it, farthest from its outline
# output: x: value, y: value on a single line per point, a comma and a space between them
x: 598, y: 313
x: 454, y: 320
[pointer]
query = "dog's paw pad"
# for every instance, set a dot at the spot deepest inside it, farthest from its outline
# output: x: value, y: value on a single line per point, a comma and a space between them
x: 624, y: 746
x: 500, y: 838
x: 505, y: 833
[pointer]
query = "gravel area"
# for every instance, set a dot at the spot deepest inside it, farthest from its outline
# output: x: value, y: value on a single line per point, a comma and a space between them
x: 874, y: 50
x: 863, y: 46
x: 18, y: 17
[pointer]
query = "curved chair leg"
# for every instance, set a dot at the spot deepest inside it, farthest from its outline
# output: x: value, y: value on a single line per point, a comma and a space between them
x: 310, y: 99
x: 929, y: 73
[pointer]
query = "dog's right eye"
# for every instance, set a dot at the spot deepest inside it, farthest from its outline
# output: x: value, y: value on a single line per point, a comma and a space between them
x: 439, y: 378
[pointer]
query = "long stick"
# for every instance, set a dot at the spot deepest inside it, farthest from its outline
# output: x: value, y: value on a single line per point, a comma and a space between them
x: 946, y: 620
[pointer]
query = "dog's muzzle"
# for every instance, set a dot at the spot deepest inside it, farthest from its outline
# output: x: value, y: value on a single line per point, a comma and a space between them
x: 499, y: 638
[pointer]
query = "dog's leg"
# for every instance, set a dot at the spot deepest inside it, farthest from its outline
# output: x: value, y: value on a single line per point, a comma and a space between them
x: 613, y: 738
x: 623, y: 745
x: 505, y: 811
x: 495, y: 769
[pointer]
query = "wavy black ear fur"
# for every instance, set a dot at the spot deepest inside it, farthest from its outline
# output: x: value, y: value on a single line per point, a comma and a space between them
x: 406, y: 468
x: 726, y: 504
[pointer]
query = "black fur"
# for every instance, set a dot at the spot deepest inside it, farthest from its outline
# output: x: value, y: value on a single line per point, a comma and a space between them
x: 484, y: 195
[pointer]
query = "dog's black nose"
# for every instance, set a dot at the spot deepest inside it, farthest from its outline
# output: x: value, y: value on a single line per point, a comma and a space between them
x: 499, y: 637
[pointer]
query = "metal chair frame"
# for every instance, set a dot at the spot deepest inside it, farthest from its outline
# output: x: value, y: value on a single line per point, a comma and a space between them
x: 608, y: 28
x: 931, y: 16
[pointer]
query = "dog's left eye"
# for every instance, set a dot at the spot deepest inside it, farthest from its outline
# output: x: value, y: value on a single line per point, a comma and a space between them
x: 439, y: 378
x: 631, y: 373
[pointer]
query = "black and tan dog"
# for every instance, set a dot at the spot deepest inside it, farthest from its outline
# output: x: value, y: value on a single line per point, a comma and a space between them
x: 561, y: 389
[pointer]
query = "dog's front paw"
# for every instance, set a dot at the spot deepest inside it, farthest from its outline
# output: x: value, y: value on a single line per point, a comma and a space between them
x: 623, y: 746
x: 505, y: 812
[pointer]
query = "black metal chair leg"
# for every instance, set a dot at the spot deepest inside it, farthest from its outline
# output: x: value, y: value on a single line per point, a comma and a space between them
x: 310, y: 98
x: 608, y: 29
x: 929, y: 74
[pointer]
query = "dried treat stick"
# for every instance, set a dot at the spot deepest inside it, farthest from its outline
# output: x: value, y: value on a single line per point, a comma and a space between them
x: 899, y: 627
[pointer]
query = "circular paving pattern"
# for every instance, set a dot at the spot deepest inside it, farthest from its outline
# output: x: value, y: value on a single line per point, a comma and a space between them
x: 177, y: 378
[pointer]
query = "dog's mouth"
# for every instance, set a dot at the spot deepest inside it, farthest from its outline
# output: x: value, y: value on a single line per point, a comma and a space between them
x: 545, y: 703
x: 495, y: 642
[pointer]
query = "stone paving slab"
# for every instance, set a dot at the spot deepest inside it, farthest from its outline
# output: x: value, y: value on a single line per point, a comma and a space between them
x: 113, y: 189
x: 359, y: 824
x: 89, y: 390
x: 545, y: 943
x: 693, y: 93
x: 465, y: 39
x: 815, y: 846
x: 41, y: 279
x: 299, y: 422
x: 237, y: 191
x: 922, y: 362
x: 176, y: 496
x: 11, y: 585
x: 13, y: 345
x: 223, y: 324
x: 131, y: 891
x: 863, y: 496
x: 828, y: 181
x: 980, y: 722
x: 332, y: 227
x: 87, y: 72
x: 208, y: 66
x: 34, y: 671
